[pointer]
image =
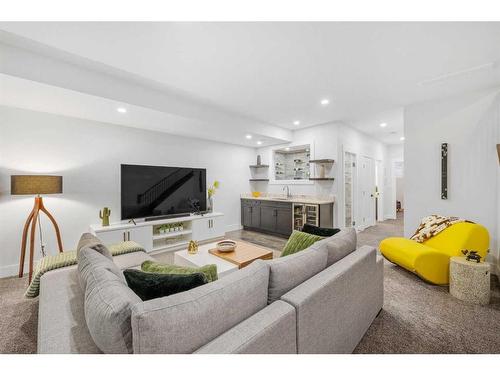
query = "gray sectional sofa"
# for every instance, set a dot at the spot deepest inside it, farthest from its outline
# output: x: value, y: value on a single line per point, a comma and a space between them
x: 320, y: 300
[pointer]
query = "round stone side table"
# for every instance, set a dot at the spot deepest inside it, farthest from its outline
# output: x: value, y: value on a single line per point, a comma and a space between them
x: 470, y: 281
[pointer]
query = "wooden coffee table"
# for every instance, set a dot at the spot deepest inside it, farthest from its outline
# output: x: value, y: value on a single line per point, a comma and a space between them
x: 226, y: 263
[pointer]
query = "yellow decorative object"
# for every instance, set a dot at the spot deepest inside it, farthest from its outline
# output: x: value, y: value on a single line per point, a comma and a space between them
x: 192, y: 247
x: 430, y: 260
x: 256, y: 194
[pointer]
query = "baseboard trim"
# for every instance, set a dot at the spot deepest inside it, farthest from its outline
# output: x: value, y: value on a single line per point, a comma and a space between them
x: 231, y: 227
x: 11, y: 270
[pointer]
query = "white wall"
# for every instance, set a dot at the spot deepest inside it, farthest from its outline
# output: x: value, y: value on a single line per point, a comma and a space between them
x: 470, y: 124
x: 400, y: 186
x: 396, y: 152
x: 88, y: 155
x: 327, y: 141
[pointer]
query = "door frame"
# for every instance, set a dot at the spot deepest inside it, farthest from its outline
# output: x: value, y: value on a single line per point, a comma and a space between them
x: 379, y: 183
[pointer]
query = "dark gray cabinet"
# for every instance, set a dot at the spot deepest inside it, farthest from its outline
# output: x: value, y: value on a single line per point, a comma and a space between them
x: 267, y: 216
x: 284, y: 221
x: 246, y: 215
x: 250, y: 213
x: 256, y: 215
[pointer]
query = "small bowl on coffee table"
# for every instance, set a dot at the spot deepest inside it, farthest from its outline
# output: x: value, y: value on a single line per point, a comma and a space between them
x: 226, y: 246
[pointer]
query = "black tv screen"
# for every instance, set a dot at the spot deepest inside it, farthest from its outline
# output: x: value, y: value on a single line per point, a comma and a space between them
x: 148, y: 191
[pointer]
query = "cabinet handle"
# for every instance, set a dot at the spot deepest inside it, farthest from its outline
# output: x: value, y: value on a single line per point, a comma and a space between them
x: 128, y: 236
x: 124, y: 236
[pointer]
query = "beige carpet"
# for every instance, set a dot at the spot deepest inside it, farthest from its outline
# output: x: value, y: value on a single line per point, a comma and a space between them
x: 416, y: 318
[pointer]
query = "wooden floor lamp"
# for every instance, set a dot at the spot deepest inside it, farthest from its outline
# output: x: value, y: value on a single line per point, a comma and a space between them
x: 35, y: 185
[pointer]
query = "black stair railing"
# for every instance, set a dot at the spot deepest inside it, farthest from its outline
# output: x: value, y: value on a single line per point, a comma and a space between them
x: 158, y: 192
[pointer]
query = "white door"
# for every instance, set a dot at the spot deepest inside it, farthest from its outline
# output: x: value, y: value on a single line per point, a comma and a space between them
x: 112, y: 236
x: 367, y: 192
x: 142, y: 235
x: 207, y: 228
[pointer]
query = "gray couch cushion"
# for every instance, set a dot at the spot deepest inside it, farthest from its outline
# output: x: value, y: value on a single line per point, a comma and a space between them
x: 273, y: 330
x: 61, y: 321
x: 88, y: 258
x: 336, y: 307
x: 341, y: 244
x: 288, y: 272
x: 89, y: 240
x: 182, y: 323
x: 108, y: 303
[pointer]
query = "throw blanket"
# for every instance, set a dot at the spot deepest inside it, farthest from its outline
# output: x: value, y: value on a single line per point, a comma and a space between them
x: 432, y: 225
x: 68, y: 258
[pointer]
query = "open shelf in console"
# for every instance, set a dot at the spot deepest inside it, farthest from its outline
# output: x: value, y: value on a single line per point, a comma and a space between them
x: 171, y: 235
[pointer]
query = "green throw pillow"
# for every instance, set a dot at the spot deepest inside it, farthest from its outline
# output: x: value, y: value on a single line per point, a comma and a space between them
x: 299, y: 241
x: 210, y: 270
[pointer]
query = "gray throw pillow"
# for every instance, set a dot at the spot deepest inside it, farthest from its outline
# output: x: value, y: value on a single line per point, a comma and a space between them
x: 88, y: 259
x: 341, y: 245
x: 288, y: 272
x: 108, y: 303
x: 91, y: 241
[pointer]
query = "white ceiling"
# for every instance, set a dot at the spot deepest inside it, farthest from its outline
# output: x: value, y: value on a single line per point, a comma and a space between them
x: 276, y: 73
x: 391, y: 133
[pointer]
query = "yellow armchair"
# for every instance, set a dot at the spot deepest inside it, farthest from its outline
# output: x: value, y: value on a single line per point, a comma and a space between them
x: 430, y: 260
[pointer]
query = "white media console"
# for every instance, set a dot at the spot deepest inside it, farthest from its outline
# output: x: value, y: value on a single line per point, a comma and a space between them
x: 200, y: 228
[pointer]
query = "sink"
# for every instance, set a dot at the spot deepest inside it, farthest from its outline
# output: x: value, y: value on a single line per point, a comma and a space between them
x: 280, y: 199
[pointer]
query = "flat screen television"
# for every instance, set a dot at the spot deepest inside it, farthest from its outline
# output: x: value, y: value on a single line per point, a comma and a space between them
x: 150, y: 191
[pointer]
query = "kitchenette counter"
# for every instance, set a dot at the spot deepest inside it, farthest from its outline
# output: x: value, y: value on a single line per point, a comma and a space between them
x: 305, y: 199
x: 277, y: 214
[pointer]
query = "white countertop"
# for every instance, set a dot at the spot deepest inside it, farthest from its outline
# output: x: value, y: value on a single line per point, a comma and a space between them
x: 293, y: 199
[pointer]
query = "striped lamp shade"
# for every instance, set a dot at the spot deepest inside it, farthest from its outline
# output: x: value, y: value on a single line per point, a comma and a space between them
x: 35, y: 184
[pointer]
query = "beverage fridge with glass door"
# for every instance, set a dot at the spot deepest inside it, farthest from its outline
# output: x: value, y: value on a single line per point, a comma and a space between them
x: 320, y: 215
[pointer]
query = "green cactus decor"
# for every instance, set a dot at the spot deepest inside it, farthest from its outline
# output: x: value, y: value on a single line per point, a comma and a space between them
x: 104, y: 216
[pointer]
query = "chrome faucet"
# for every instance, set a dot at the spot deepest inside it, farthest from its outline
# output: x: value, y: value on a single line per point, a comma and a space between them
x: 288, y: 195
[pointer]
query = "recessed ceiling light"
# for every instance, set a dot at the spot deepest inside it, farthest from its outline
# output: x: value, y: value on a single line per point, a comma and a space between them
x: 383, y: 125
x: 287, y: 148
x: 259, y: 142
x: 402, y: 138
x: 121, y: 109
x: 248, y: 136
x: 325, y: 102
x: 296, y: 123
